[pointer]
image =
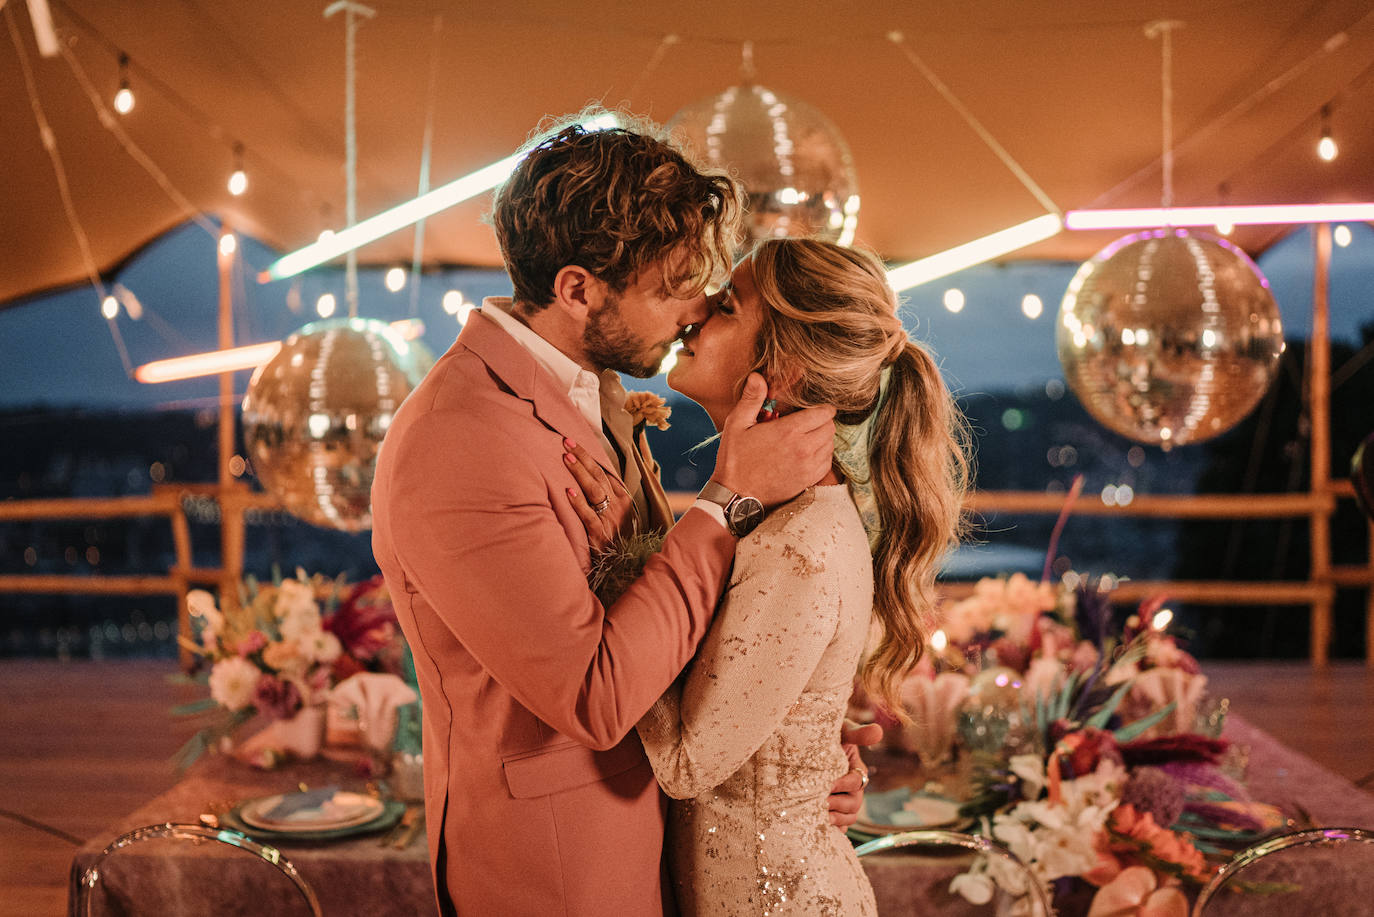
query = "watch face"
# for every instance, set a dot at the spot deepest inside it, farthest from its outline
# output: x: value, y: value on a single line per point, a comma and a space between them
x: 745, y: 515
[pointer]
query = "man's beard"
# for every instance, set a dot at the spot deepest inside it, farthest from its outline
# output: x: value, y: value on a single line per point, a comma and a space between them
x: 611, y: 345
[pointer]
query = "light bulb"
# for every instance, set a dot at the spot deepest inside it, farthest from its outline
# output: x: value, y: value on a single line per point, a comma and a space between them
x: 1225, y: 229
x: 109, y: 307
x: 238, y: 182
x: 228, y: 244
x: 1326, y: 148
x: 1341, y: 234
x: 452, y: 301
x: 325, y: 305
x: 395, y: 279
x: 124, y: 98
x: 954, y: 299
x: 1031, y: 306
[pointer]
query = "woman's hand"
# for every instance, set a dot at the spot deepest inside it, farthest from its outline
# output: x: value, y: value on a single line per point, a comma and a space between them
x: 599, y: 500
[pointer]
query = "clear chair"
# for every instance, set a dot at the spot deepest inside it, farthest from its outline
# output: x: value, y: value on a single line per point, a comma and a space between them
x: 919, y: 880
x: 1315, y: 871
x: 182, y: 869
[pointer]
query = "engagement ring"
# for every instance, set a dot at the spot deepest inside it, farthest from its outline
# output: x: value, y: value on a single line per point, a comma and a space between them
x: 600, y: 507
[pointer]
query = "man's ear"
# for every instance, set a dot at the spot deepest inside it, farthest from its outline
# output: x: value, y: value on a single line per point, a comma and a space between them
x: 577, y: 292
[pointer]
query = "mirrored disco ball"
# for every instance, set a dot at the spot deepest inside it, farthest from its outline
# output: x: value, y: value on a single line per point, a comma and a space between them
x: 315, y: 415
x: 1169, y: 336
x: 794, y: 164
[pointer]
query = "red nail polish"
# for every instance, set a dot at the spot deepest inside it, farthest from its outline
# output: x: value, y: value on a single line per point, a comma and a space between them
x: 569, y: 443
x: 568, y: 457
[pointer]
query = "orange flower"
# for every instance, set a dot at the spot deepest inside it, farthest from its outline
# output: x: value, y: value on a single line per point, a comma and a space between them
x: 1160, y: 843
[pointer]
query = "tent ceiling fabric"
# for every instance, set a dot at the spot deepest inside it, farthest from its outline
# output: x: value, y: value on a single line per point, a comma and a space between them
x: 1071, y: 88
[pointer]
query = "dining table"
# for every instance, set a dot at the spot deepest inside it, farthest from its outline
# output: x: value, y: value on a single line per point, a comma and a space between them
x: 359, y: 874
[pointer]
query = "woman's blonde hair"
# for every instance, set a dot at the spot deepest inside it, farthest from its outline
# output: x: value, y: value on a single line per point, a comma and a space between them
x: 829, y: 329
x: 613, y: 201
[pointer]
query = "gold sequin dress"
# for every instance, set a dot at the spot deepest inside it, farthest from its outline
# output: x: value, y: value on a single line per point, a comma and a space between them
x: 747, y: 740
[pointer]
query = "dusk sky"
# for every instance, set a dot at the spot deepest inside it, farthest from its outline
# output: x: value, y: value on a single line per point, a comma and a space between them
x: 58, y: 350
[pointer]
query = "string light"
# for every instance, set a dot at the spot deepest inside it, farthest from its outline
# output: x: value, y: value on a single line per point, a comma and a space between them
x: 991, y: 246
x: 396, y: 279
x: 1326, y: 146
x: 954, y: 299
x: 326, y: 305
x: 228, y: 244
x: 238, y: 180
x: 124, y: 98
x: 1032, y: 306
x: 109, y: 307
x: 1341, y: 234
x: 1236, y: 215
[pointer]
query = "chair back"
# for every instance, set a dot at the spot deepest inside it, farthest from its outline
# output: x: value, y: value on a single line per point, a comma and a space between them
x: 179, y: 869
x: 949, y: 872
x: 1316, y: 871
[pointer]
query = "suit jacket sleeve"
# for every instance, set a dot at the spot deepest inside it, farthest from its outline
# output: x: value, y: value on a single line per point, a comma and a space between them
x: 773, y: 626
x: 480, y: 539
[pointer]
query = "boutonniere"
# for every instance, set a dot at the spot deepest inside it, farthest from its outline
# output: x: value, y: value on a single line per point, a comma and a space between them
x: 647, y: 408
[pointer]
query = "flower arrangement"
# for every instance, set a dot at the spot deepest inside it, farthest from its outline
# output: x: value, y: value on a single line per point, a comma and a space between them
x: 1095, y: 757
x: 282, y: 649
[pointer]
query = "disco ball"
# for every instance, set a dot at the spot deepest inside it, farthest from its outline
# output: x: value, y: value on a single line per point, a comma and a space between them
x: 1169, y: 336
x: 315, y: 415
x: 1362, y: 475
x: 795, y: 166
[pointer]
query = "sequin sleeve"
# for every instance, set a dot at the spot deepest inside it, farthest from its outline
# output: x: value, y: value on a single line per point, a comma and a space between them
x: 774, y: 622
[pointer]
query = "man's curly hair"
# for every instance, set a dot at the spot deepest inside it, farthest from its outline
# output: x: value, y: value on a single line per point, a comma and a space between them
x: 614, y: 202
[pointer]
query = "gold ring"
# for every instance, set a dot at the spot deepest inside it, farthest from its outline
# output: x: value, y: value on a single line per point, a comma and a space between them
x: 863, y: 777
x: 600, y: 507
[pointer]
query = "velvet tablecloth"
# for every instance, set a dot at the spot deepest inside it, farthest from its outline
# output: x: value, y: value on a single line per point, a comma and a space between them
x: 357, y: 876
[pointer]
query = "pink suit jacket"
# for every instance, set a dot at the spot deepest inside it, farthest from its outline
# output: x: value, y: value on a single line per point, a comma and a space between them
x: 539, y: 797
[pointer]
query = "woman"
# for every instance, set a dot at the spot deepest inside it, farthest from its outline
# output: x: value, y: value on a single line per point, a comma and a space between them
x: 746, y: 739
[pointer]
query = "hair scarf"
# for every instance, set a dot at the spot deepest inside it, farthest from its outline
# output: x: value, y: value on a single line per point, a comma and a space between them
x: 853, y: 449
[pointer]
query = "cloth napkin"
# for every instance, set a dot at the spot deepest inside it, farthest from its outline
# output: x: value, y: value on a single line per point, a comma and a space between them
x: 377, y: 696
x: 291, y: 803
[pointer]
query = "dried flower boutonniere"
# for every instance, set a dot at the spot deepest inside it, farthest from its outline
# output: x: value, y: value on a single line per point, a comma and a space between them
x: 647, y: 408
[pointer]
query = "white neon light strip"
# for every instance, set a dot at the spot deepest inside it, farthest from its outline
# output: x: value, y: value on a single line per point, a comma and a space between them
x: 235, y: 358
x: 1240, y: 215
x: 976, y: 252
x: 403, y: 215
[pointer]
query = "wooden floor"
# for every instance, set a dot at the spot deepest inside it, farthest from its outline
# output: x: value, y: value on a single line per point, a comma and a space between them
x: 83, y: 743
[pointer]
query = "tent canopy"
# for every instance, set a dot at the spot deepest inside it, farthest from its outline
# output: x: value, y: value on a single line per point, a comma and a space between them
x: 1070, y: 88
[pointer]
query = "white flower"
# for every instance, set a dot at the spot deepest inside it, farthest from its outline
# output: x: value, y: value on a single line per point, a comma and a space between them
x: 232, y: 682
x: 294, y: 597
x: 302, y: 623
x: 975, y: 887
x: 321, y: 646
x: 201, y: 604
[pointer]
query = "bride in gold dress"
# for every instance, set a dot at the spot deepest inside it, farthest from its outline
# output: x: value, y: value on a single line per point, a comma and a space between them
x: 746, y: 741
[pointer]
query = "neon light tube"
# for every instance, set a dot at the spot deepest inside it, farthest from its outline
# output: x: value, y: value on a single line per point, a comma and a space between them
x: 403, y: 215
x: 1240, y: 215
x: 976, y: 252
x: 236, y: 358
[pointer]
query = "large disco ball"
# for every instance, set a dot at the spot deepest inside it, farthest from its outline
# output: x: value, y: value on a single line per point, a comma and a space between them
x: 315, y: 415
x: 794, y: 164
x: 1169, y: 336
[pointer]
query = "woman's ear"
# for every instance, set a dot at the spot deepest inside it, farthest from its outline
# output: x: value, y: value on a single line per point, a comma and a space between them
x: 782, y: 385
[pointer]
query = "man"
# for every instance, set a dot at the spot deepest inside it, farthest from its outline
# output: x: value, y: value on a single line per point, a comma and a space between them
x: 539, y: 797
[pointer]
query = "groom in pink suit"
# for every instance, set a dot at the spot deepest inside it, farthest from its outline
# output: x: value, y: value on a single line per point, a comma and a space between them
x: 539, y: 797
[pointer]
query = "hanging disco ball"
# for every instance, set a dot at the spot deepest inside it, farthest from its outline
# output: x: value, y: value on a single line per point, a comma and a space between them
x: 1169, y: 336
x: 795, y: 166
x: 315, y: 415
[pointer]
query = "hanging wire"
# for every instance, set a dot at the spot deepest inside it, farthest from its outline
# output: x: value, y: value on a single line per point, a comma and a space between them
x: 351, y: 13
x: 111, y: 123
x: 665, y: 44
x: 899, y: 39
x: 45, y: 132
x: 426, y: 148
x: 1163, y: 29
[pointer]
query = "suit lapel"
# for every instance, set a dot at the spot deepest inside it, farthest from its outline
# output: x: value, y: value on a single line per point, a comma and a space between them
x: 518, y: 371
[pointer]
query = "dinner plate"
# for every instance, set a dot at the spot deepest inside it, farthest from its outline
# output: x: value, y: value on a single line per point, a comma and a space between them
x: 904, y: 809
x: 288, y: 813
x: 391, y: 814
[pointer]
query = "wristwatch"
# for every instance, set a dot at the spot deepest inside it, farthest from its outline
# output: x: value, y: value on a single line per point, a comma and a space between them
x: 742, y: 514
